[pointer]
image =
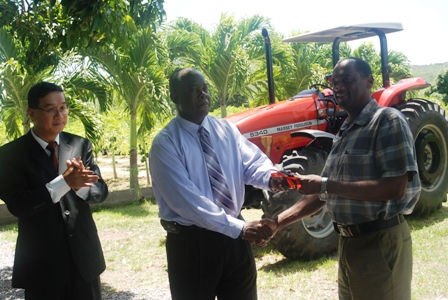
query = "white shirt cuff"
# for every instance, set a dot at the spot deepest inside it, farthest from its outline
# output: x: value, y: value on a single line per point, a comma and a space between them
x: 58, y: 188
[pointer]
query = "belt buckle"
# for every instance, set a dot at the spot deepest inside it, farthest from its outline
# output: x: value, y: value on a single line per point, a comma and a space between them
x: 344, y: 231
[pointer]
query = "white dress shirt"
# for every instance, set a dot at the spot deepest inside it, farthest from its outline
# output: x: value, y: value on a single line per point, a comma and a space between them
x: 180, y: 178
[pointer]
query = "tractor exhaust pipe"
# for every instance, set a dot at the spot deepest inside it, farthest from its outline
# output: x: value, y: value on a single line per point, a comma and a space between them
x: 267, y: 43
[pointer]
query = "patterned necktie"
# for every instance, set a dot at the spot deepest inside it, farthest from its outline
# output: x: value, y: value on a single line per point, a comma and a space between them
x: 217, y: 180
x: 54, y: 159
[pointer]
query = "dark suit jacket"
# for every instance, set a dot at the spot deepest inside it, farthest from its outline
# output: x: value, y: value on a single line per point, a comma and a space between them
x: 50, y: 235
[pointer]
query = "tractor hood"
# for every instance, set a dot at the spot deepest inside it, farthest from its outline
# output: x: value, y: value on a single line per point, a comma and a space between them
x: 293, y: 114
x: 244, y: 114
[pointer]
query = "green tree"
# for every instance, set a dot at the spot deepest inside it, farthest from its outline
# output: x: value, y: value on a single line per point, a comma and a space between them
x: 226, y: 56
x: 47, y: 28
x: 136, y: 76
x: 16, y: 83
x: 399, y: 64
x: 441, y: 86
x: 115, y: 137
x: 86, y: 96
x: 305, y: 64
x: 3, y: 139
x: 35, y: 36
x: 18, y: 78
x: 90, y: 27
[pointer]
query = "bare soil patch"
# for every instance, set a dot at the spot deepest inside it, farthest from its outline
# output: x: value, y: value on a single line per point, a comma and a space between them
x: 121, y: 182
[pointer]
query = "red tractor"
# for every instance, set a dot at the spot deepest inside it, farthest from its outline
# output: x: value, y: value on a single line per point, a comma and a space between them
x: 297, y: 135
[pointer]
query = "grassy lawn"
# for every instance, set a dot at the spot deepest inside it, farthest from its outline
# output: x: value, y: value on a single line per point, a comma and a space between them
x: 133, y: 243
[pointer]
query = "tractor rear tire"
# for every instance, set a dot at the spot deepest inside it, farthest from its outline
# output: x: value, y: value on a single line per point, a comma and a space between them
x: 313, y: 236
x: 429, y: 127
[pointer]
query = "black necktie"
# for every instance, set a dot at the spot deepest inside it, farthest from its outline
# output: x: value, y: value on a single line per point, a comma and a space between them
x: 54, y: 158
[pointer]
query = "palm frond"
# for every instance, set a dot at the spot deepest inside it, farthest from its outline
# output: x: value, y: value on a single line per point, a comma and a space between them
x: 89, y: 118
x: 7, y: 47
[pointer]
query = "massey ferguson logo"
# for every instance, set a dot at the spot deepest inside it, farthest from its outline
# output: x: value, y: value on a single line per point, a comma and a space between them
x: 288, y: 127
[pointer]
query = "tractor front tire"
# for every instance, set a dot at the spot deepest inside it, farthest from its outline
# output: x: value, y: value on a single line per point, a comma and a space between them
x: 429, y: 127
x: 313, y: 236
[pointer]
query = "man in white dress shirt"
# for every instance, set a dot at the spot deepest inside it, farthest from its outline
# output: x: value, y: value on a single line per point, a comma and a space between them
x: 208, y: 246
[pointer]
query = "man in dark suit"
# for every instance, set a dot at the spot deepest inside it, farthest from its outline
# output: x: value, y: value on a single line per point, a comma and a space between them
x: 58, y: 252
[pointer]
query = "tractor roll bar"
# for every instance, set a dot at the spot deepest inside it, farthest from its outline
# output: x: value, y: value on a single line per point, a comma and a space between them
x: 267, y: 43
x: 385, y: 68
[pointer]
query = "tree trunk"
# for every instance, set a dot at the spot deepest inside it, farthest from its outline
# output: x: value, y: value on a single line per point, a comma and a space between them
x: 114, y: 167
x: 223, y: 104
x: 148, y: 176
x: 133, y: 180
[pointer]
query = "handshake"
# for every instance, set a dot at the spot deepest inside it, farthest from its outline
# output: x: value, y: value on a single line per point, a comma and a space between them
x: 259, y: 232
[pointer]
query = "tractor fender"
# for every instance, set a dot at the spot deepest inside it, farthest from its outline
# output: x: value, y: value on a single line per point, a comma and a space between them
x: 395, y: 94
x: 321, y: 138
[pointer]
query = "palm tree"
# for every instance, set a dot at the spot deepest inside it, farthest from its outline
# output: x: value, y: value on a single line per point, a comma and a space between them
x: 308, y: 63
x: 136, y: 76
x: 399, y: 63
x: 296, y: 66
x: 33, y: 38
x: 17, y: 79
x: 304, y: 65
x: 86, y: 95
x: 16, y: 83
x: 227, y: 56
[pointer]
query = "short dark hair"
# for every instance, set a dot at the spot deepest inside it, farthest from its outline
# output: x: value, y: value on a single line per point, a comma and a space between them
x: 40, y: 90
x: 361, y: 66
x: 176, y: 77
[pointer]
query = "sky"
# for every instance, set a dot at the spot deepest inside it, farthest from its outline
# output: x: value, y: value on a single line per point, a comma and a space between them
x: 425, y: 22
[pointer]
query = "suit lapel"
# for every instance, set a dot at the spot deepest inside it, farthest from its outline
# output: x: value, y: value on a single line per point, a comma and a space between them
x: 69, y: 201
x: 65, y: 152
x: 36, y: 152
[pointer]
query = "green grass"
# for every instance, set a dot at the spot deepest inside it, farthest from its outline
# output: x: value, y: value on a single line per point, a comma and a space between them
x: 430, y: 245
x: 281, y: 277
x: 134, y: 247
x: 8, y: 233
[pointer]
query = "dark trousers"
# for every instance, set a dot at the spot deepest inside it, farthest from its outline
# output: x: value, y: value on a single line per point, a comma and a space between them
x: 203, y: 264
x: 376, y: 265
x: 75, y: 288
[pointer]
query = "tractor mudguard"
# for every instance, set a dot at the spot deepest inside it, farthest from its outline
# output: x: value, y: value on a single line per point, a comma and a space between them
x: 319, y: 138
x: 396, y: 94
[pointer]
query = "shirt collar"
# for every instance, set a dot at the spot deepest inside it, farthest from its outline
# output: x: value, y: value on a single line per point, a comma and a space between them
x: 41, y: 142
x: 363, y: 117
x: 193, y: 127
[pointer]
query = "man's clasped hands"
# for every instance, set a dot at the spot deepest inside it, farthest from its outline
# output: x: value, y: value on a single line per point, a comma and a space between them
x: 77, y: 176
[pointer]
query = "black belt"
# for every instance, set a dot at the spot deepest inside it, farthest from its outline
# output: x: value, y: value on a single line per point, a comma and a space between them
x: 174, y: 227
x: 357, y: 229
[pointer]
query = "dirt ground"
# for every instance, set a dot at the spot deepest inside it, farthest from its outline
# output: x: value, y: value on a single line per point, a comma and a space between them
x: 122, y: 168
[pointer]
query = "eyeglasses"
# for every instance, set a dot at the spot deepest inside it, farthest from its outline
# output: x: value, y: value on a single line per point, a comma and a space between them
x: 54, y: 111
